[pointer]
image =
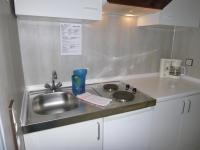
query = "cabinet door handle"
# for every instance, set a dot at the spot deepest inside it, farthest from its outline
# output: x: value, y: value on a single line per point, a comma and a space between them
x: 99, y: 131
x: 183, y: 110
x: 189, y: 107
x: 13, y: 124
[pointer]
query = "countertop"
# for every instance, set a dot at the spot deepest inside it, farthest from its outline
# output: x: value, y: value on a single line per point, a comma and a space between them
x: 85, y: 111
x: 153, y: 89
x: 165, y: 88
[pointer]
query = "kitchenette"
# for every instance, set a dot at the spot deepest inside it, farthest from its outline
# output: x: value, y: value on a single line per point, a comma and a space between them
x: 100, y: 75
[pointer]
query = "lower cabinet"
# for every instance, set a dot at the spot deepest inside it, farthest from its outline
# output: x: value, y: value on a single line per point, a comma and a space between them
x: 170, y: 125
x: 165, y: 125
x: 81, y: 136
x: 189, y: 132
x: 176, y: 124
x: 127, y: 131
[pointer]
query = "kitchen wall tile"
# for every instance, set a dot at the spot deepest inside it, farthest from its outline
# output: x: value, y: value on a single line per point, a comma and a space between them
x: 111, y: 47
x: 187, y: 45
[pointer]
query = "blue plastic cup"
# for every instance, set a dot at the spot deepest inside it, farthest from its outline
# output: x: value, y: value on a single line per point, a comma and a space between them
x: 78, y: 81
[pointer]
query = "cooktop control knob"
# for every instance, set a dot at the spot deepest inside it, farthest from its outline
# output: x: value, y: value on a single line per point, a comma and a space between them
x: 127, y: 86
x: 134, y: 90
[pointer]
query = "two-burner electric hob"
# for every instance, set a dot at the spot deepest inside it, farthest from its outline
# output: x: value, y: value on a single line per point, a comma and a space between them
x: 117, y: 90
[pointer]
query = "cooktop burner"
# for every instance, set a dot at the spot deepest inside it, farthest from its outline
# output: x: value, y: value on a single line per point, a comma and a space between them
x: 123, y: 96
x: 118, y: 91
x: 110, y: 87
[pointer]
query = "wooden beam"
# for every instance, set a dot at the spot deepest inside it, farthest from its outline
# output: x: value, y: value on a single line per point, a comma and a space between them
x: 155, y: 4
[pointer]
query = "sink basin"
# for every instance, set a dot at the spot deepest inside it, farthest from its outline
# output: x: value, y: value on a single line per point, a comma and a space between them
x: 54, y: 103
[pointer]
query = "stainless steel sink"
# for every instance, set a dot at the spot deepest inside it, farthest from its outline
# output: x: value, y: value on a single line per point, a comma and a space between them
x: 54, y: 103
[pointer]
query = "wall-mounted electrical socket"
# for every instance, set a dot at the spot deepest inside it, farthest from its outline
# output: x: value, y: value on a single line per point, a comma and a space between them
x: 189, y: 62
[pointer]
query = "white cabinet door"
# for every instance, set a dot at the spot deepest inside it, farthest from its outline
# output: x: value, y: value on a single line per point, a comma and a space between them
x: 76, y: 9
x: 127, y: 131
x: 81, y: 136
x: 189, y: 138
x: 165, y: 125
x: 1, y: 140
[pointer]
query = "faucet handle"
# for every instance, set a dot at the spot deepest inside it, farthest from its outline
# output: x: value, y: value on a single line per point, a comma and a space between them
x: 54, y: 75
x: 54, y: 87
x: 59, y: 84
x: 47, y: 86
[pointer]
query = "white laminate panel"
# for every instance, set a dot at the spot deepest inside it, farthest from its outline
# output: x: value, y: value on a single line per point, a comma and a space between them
x: 80, y: 136
x: 128, y: 131
x: 77, y: 9
x: 165, y: 125
x: 165, y: 88
x: 189, y: 131
x: 177, y: 13
x: 11, y: 74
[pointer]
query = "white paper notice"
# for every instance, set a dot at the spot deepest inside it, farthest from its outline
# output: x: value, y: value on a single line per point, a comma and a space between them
x: 71, y: 39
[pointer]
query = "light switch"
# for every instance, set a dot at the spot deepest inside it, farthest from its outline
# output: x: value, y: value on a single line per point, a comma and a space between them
x: 189, y: 62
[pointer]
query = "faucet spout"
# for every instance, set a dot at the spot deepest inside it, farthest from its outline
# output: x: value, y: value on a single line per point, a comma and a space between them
x: 54, y: 75
x: 53, y: 87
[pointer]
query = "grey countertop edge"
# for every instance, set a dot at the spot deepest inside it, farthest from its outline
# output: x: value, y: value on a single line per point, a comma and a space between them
x: 85, y: 117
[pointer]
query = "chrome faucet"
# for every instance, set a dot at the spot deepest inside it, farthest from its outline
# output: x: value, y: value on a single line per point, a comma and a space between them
x: 54, y: 87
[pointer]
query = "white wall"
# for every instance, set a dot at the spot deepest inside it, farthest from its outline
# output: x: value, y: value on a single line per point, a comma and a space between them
x: 111, y: 47
x: 11, y: 75
x: 187, y: 45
